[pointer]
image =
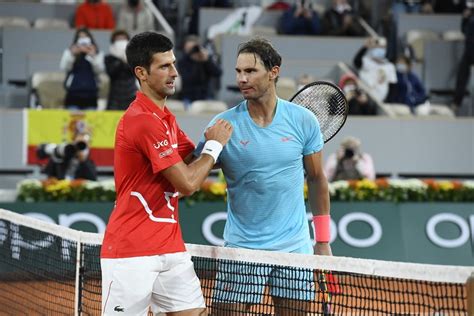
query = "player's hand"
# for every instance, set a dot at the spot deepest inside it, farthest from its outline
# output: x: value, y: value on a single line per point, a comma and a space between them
x: 322, y: 248
x: 220, y: 131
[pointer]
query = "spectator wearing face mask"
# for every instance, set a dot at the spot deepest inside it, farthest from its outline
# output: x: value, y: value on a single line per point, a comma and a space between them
x: 409, y: 90
x: 122, y: 80
x: 359, y: 101
x: 95, y: 14
x: 377, y: 72
x: 340, y: 20
x: 135, y: 18
x: 82, y: 62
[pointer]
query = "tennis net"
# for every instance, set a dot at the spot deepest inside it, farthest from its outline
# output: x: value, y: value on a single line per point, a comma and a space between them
x: 47, y: 269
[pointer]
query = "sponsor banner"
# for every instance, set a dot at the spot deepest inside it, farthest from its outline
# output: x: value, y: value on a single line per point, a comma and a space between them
x: 58, y: 126
x: 435, y: 233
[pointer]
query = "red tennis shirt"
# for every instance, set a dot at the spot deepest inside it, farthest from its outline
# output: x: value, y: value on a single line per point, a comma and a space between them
x: 145, y: 218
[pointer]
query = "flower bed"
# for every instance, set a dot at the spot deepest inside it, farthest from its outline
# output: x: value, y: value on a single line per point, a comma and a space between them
x: 390, y: 190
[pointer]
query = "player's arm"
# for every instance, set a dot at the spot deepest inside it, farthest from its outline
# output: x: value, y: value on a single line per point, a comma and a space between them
x: 318, y: 197
x: 187, y: 178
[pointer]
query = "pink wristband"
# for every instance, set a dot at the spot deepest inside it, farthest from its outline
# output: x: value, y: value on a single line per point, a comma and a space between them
x: 322, y: 227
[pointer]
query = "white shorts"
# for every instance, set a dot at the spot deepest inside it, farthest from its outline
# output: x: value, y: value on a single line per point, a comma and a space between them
x: 166, y: 282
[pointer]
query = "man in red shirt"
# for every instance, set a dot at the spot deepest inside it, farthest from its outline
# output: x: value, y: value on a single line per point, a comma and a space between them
x: 95, y: 14
x: 143, y: 256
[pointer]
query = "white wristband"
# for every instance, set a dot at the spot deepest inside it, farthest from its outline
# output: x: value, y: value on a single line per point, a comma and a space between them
x: 212, y: 148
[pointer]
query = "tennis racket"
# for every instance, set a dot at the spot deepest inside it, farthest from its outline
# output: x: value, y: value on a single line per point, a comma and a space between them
x: 327, y: 102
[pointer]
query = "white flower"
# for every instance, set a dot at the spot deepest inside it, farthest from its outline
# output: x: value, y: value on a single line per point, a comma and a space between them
x: 337, y: 185
x: 108, y: 185
x: 91, y: 185
x: 29, y: 183
x: 409, y: 184
x: 468, y: 184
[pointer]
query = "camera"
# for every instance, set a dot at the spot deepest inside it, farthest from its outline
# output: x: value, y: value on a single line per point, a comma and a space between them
x: 195, y: 49
x: 60, y: 152
x: 349, y: 153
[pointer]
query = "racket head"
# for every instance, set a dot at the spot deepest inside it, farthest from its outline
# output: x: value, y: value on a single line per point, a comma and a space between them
x: 327, y: 102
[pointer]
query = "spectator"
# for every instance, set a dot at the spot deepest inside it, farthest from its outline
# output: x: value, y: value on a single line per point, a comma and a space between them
x: 340, y: 20
x: 449, y: 6
x: 135, y: 18
x: 82, y: 62
x: 95, y: 14
x: 300, y: 19
x: 359, y: 101
x: 349, y: 162
x: 197, y: 68
x: 123, y: 84
x: 409, y: 89
x: 410, y: 6
x: 467, y: 59
x: 374, y: 68
x: 72, y: 161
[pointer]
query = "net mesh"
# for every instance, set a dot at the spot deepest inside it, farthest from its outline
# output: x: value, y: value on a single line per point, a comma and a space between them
x: 46, y: 269
x: 328, y: 103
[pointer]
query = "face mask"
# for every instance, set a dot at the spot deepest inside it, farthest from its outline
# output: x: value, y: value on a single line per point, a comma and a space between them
x: 84, y: 41
x: 349, y: 88
x: 378, y: 52
x: 340, y: 8
x: 118, y: 49
x: 402, y: 67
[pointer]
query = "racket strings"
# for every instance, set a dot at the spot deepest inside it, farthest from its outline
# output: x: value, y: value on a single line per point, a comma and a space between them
x: 327, y: 103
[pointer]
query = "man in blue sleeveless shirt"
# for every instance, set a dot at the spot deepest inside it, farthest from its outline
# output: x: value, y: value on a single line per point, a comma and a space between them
x: 274, y: 143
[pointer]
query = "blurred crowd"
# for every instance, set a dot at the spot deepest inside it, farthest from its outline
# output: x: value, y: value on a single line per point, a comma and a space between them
x: 384, y: 70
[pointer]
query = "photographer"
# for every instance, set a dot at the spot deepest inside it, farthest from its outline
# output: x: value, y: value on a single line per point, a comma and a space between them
x: 197, y: 68
x: 349, y: 163
x: 69, y: 161
x: 359, y: 101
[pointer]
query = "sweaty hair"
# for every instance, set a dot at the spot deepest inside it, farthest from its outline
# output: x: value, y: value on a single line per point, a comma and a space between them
x: 142, y: 47
x: 262, y: 48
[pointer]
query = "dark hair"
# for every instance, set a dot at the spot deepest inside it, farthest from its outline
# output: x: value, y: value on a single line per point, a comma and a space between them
x: 142, y: 47
x: 84, y: 30
x: 262, y: 48
x: 117, y: 33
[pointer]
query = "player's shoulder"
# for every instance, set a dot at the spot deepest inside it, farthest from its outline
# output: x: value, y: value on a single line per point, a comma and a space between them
x: 294, y: 108
x: 232, y: 113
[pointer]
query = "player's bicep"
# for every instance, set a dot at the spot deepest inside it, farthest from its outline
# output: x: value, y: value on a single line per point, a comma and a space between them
x: 313, y: 165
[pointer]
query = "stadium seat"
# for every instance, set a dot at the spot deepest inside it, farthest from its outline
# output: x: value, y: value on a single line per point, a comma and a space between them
x: 50, y: 23
x: 453, y: 35
x: 417, y: 39
x: 175, y: 106
x: 48, y: 87
x: 207, y: 106
x: 286, y: 87
x: 16, y: 21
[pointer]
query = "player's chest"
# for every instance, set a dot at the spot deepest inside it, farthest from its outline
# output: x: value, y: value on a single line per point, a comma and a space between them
x: 263, y: 146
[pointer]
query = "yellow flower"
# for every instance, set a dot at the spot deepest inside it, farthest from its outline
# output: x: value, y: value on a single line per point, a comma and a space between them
x: 366, y: 184
x: 445, y: 185
x: 218, y: 188
x: 63, y: 186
